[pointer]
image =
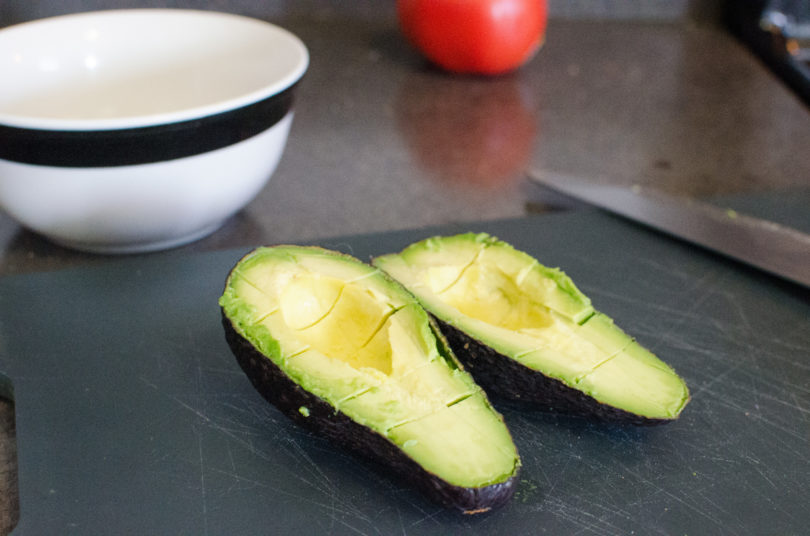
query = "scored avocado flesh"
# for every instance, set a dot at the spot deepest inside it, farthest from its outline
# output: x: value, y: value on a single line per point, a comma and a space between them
x: 346, y: 333
x: 536, y: 316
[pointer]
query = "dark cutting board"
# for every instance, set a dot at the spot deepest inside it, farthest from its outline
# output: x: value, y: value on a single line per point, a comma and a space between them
x: 134, y: 418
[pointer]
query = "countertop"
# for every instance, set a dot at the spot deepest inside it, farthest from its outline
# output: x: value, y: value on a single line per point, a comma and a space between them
x: 382, y: 141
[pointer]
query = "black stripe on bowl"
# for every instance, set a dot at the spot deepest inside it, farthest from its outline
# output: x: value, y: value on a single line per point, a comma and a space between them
x: 142, y: 145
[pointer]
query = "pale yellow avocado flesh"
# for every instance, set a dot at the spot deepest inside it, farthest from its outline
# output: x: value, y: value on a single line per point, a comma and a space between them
x: 536, y: 316
x: 348, y: 334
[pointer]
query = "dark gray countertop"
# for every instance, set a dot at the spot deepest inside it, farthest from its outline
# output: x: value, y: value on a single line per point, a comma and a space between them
x: 381, y: 141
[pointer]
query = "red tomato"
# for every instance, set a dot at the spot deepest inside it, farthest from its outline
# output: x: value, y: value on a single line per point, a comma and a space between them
x: 474, y: 36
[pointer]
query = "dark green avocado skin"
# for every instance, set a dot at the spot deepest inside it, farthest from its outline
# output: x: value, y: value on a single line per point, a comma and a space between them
x: 281, y: 391
x: 503, y: 377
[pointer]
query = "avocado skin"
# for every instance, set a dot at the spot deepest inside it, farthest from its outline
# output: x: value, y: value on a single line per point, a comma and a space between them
x: 503, y: 377
x: 323, y: 419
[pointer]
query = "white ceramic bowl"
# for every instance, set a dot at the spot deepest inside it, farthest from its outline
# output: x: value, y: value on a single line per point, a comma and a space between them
x: 139, y: 130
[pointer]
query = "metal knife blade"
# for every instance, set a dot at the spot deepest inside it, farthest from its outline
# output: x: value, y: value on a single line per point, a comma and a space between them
x: 769, y: 246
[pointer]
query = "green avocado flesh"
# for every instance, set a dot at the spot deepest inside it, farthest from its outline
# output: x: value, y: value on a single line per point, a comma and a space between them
x: 537, y: 317
x: 346, y: 333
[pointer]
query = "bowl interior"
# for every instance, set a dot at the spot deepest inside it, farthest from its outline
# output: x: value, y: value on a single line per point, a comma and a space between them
x: 130, y: 68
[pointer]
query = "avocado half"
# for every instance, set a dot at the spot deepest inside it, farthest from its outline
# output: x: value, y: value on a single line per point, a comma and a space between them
x: 525, y: 332
x: 345, y: 351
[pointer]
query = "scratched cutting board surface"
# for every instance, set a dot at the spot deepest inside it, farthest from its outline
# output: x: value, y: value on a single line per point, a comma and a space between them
x: 134, y: 418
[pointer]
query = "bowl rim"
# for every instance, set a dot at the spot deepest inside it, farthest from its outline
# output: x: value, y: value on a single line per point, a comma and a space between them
x: 162, y: 118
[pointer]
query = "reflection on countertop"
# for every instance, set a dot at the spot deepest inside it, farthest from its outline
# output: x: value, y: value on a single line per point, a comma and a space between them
x: 475, y: 133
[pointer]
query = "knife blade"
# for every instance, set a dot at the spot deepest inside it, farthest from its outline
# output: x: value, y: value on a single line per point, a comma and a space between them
x: 766, y: 245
